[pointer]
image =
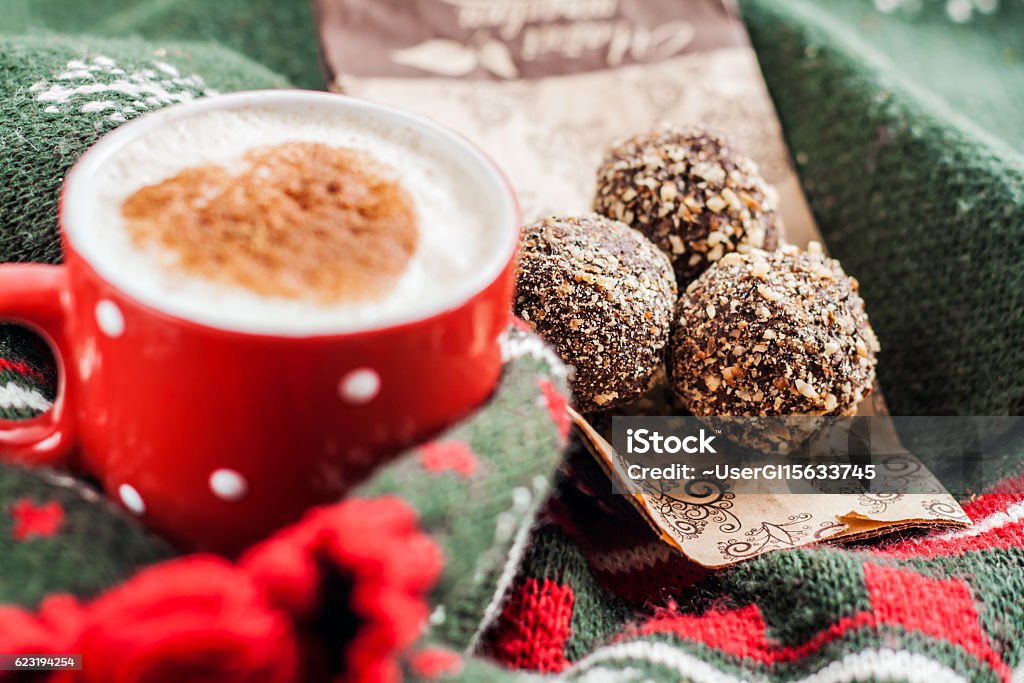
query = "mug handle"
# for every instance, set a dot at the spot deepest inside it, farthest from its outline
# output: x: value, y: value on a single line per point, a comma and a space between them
x: 36, y: 295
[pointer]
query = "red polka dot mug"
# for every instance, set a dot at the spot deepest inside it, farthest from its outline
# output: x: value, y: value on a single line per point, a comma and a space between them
x: 216, y: 435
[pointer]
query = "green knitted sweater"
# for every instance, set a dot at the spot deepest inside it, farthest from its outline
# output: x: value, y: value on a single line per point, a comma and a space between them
x: 275, y: 33
x: 907, y: 135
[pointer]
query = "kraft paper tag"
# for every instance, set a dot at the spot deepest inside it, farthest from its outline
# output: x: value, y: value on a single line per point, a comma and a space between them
x: 545, y: 87
x: 720, y: 524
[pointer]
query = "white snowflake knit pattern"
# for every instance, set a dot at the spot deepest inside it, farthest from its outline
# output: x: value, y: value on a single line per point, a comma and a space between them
x: 114, y: 93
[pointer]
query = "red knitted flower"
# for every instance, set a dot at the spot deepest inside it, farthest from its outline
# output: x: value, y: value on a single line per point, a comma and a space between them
x: 198, y: 619
x: 52, y: 630
x: 372, y: 554
x: 336, y: 596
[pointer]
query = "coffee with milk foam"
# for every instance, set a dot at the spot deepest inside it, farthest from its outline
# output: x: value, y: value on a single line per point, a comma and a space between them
x: 446, y: 223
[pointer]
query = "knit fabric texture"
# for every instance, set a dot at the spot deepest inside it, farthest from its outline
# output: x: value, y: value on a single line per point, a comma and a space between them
x: 479, y: 487
x: 60, y: 535
x: 907, y: 135
x: 278, y: 34
x: 600, y: 598
x: 28, y: 375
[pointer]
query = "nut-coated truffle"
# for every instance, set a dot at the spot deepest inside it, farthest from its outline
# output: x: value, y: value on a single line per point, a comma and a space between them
x: 602, y: 295
x: 691, y: 194
x: 779, y: 333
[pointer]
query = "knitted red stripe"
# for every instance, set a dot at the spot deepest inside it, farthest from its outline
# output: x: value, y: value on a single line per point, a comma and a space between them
x: 741, y: 633
x: 1008, y: 536
x: 535, y: 627
x: 21, y: 368
x: 941, y: 608
x: 990, y: 503
x: 738, y: 632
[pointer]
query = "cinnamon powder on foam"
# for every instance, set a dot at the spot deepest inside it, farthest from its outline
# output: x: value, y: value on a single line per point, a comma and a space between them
x: 301, y: 220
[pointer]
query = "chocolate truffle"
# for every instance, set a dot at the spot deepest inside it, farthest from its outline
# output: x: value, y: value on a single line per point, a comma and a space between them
x: 602, y: 295
x: 772, y: 334
x: 691, y: 194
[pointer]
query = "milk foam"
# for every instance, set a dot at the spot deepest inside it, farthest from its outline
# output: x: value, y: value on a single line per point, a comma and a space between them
x: 460, y: 218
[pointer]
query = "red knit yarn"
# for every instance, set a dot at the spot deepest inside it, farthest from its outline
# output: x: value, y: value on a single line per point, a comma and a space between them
x: 198, y: 619
x: 535, y: 627
x: 1005, y: 536
x: 445, y: 456
x: 53, y: 629
x: 1000, y: 525
x: 739, y: 632
x: 990, y: 503
x: 35, y: 520
x: 203, y: 619
x: 943, y: 609
x: 21, y: 368
x: 434, y: 662
x: 391, y: 563
x: 557, y: 405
